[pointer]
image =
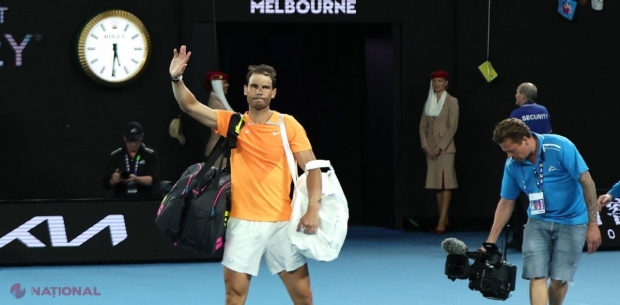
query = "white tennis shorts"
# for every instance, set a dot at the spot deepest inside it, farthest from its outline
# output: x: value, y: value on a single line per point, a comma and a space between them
x: 247, y: 241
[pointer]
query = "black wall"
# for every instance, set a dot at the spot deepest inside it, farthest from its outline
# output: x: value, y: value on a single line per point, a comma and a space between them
x: 573, y: 63
x: 57, y: 126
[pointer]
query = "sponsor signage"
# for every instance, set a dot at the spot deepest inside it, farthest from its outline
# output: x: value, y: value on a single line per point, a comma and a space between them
x: 12, y: 45
x: 85, y: 231
x: 609, y: 223
x: 315, y: 7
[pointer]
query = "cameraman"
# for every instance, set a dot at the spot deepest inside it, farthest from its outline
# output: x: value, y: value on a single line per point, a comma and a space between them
x: 561, y: 221
x: 133, y: 168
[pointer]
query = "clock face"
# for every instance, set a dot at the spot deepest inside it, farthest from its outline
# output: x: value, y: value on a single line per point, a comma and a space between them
x: 114, y: 47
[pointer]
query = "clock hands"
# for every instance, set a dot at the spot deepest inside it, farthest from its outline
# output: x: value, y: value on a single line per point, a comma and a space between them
x: 101, y: 38
x: 115, y: 60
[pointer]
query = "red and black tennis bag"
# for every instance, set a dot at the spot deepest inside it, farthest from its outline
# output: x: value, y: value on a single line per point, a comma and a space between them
x: 194, y: 213
x: 172, y: 208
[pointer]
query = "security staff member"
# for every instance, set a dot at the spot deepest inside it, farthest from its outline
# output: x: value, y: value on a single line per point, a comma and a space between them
x: 133, y: 168
x: 534, y: 115
x: 537, y: 118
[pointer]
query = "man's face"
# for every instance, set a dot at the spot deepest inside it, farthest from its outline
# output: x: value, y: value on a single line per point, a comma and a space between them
x: 259, y: 91
x: 516, y: 151
x: 519, y: 97
x: 133, y: 146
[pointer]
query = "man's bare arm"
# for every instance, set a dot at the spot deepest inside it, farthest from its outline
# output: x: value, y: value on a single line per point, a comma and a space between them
x: 215, y: 103
x: 502, y: 215
x: 313, y: 180
x: 186, y: 99
x: 589, y: 193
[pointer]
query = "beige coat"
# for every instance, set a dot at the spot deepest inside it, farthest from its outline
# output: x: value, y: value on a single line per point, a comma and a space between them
x: 439, y: 131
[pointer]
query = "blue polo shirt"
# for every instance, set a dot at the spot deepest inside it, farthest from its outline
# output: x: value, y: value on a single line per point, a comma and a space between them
x: 562, y: 166
x: 535, y: 116
x: 615, y: 190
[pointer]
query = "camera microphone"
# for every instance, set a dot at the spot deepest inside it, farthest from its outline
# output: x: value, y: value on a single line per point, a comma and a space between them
x: 454, y: 246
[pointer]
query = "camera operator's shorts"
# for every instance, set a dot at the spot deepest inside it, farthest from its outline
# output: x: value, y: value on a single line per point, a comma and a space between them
x: 552, y: 250
x: 247, y: 241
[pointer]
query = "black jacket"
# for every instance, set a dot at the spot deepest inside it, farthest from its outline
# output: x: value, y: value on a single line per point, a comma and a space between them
x: 148, y: 165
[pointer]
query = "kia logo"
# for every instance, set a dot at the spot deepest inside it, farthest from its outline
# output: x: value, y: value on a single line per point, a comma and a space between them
x: 58, y: 233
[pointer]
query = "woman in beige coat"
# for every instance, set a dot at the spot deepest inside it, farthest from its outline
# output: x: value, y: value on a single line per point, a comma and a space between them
x: 437, y: 128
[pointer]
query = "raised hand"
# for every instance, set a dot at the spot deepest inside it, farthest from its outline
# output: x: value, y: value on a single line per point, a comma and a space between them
x: 179, y: 62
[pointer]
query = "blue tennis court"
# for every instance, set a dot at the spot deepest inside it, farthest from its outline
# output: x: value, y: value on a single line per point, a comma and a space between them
x: 376, y: 266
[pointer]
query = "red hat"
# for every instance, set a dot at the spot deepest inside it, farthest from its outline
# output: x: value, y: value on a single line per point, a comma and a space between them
x: 214, y: 75
x: 440, y: 74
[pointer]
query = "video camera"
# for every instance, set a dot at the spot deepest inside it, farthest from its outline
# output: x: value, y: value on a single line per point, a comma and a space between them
x: 489, y: 273
x: 125, y: 174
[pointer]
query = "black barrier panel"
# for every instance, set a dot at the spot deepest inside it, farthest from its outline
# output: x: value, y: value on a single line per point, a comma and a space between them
x: 609, y: 224
x: 83, y: 232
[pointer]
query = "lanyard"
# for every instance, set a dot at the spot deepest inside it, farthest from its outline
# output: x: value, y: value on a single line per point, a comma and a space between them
x: 538, y: 175
x: 136, y: 163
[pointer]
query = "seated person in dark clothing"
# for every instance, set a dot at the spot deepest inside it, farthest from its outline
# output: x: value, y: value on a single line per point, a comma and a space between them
x: 132, y: 169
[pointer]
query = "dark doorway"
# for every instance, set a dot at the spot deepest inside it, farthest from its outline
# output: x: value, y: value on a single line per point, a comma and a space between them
x: 337, y: 80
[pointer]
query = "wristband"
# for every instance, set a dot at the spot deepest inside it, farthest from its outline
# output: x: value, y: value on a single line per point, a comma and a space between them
x: 176, y: 80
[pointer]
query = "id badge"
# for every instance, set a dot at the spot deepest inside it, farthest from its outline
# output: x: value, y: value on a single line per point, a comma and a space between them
x: 537, y: 203
x: 131, y: 188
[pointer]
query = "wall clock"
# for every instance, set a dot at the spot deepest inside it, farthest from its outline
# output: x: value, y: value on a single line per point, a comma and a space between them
x: 114, y: 48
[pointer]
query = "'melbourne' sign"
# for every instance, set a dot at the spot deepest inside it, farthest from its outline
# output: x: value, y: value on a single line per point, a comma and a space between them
x: 317, y: 7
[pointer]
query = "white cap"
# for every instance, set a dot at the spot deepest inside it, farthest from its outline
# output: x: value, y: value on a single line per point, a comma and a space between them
x: 597, y: 5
